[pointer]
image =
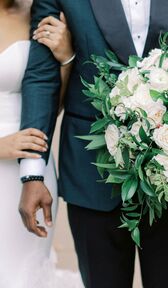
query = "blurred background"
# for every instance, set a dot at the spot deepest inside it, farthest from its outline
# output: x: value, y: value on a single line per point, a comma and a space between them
x: 63, y: 243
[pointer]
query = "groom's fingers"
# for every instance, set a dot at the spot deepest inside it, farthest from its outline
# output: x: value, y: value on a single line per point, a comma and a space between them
x: 47, y: 214
x: 32, y: 227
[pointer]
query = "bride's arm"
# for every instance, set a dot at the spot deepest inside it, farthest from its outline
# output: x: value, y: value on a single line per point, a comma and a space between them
x: 14, y: 145
x: 56, y: 36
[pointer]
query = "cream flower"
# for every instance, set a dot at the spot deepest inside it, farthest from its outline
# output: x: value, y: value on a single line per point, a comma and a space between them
x: 114, y: 92
x: 151, y: 60
x: 160, y: 137
x: 135, y: 128
x: 112, y: 138
x: 158, y: 79
x: 140, y: 99
x: 134, y: 78
x: 155, y: 113
x: 120, y: 112
x: 163, y: 160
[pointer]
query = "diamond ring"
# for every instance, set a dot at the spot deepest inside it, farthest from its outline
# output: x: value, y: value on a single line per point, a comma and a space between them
x: 47, y: 34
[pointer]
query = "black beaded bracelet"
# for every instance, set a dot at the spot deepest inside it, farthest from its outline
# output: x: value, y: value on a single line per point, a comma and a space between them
x: 32, y: 178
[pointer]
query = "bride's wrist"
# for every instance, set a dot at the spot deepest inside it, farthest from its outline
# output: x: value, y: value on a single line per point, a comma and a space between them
x: 69, y: 60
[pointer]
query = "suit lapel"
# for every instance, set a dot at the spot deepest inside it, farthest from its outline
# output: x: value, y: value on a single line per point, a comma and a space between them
x: 112, y: 22
x: 158, y: 23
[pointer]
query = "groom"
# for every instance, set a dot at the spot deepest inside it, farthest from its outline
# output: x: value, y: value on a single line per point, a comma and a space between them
x: 106, y: 253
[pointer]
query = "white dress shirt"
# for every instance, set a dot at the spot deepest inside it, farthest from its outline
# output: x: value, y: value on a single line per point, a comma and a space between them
x: 137, y: 14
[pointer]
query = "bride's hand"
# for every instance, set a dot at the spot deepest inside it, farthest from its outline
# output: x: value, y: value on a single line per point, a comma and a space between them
x: 56, y: 36
x: 13, y: 146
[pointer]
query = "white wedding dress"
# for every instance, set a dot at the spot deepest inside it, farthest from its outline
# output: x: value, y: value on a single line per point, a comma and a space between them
x: 24, y: 258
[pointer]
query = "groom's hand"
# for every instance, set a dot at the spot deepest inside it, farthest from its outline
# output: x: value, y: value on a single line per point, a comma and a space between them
x: 35, y: 196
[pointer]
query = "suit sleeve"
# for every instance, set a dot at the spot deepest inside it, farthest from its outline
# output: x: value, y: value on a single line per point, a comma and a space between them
x: 41, y: 83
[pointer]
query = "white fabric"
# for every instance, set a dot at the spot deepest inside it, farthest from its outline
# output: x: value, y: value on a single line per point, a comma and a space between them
x: 32, y: 167
x: 24, y: 258
x: 137, y: 13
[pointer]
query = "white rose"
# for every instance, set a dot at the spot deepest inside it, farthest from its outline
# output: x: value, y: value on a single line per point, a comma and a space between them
x: 112, y: 138
x: 123, y: 130
x: 134, y: 78
x: 165, y: 64
x: 155, y: 112
x: 135, y: 128
x: 162, y: 160
x: 160, y: 137
x: 140, y: 99
x: 120, y: 112
x: 114, y: 92
x: 158, y: 79
x: 151, y: 60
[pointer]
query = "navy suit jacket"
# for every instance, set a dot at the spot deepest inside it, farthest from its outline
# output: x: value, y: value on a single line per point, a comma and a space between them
x: 96, y: 26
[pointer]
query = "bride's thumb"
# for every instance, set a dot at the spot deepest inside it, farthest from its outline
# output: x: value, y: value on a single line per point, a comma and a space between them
x: 62, y: 18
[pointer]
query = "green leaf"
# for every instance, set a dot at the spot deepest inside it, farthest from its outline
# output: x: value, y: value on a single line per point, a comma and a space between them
x: 143, y: 136
x: 147, y: 188
x: 85, y: 83
x: 130, y: 208
x: 134, y: 215
x: 124, y: 225
x: 138, y: 165
x: 151, y: 215
x: 133, y: 59
x: 165, y: 118
x: 97, y: 104
x: 105, y: 166
x: 155, y: 94
x: 115, y: 100
x: 111, y: 55
x: 97, y: 143
x: 129, y: 187
x: 114, y: 180
x: 102, y: 157
x: 99, y: 124
x: 136, y: 236
x: 125, y: 156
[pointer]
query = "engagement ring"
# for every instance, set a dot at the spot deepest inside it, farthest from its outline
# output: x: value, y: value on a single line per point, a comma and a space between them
x: 47, y: 34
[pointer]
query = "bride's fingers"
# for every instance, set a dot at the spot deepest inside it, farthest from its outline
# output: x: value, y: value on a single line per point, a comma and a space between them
x: 51, y: 20
x: 45, y: 27
x: 34, y: 132
x: 35, y: 140
x: 47, y: 42
x: 32, y: 146
x: 27, y: 155
x: 63, y: 18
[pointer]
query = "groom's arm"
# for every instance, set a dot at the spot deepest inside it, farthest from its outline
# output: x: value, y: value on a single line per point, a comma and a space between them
x: 41, y: 84
x: 40, y: 103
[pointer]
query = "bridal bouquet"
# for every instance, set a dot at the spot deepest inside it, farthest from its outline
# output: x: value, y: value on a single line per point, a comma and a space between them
x: 131, y: 132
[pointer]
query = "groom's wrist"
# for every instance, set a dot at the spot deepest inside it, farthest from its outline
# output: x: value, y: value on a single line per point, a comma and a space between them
x: 31, y: 178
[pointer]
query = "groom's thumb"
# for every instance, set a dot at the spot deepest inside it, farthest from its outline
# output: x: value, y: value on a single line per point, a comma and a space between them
x: 62, y: 18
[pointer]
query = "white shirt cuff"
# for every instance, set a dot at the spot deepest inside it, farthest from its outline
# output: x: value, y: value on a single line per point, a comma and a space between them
x: 34, y: 167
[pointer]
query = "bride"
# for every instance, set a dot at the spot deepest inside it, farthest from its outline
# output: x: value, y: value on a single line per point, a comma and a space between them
x: 24, y: 258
